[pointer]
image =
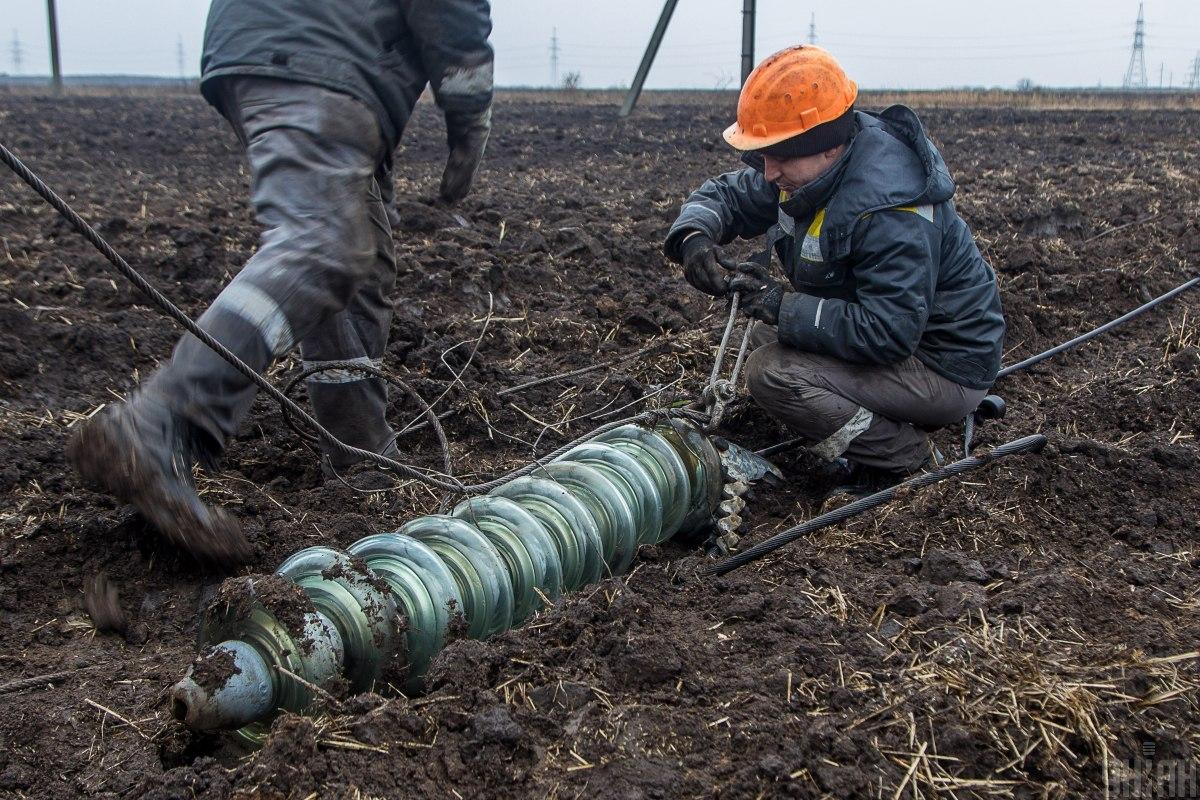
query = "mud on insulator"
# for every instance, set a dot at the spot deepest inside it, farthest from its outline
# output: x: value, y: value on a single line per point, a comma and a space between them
x: 383, y: 608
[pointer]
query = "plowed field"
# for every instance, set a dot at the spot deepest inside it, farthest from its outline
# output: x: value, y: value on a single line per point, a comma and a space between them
x: 1030, y: 630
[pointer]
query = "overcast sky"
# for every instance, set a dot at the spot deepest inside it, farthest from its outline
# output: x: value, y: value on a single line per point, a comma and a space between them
x: 882, y: 43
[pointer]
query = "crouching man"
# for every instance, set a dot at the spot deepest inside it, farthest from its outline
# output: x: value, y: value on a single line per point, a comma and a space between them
x: 890, y: 323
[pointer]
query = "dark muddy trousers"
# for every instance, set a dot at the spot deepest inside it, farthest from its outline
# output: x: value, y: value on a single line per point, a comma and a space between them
x: 321, y: 277
x: 871, y: 414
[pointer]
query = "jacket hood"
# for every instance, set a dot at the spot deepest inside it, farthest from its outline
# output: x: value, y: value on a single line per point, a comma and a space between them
x: 894, y: 163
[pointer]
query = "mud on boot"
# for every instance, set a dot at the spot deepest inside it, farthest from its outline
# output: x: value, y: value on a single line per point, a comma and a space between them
x: 860, y: 480
x: 363, y: 475
x: 142, y: 453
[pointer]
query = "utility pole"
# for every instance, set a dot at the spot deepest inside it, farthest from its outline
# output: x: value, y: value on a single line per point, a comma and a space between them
x: 554, y: 58
x: 747, y: 38
x: 812, y: 28
x: 16, y: 52
x: 639, y: 80
x: 1135, y: 73
x: 55, y: 64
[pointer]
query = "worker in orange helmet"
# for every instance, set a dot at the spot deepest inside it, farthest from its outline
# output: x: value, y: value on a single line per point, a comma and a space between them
x: 889, y: 323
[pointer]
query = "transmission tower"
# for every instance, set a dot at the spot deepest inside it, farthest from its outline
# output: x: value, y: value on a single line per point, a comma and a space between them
x: 812, y: 28
x: 179, y: 57
x: 554, y: 57
x: 16, y: 52
x: 1135, y: 74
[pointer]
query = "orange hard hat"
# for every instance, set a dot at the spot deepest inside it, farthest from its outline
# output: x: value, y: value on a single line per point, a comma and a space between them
x: 790, y: 93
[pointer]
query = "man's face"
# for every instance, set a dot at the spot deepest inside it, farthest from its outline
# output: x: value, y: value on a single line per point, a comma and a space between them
x: 789, y: 174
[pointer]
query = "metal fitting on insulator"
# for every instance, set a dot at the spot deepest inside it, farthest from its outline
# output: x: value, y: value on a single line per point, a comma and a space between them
x: 385, y: 607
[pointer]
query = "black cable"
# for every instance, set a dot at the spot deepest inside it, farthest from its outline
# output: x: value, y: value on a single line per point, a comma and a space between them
x: 968, y: 434
x: 1024, y: 445
x: 1137, y: 312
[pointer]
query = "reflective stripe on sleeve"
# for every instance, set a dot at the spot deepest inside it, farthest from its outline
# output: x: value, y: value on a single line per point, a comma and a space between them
x: 709, y: 210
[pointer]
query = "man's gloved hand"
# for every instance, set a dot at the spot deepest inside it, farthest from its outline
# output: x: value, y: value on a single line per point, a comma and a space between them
x: 762, y: 295
x: 467, y: 136
x: 705, y: 266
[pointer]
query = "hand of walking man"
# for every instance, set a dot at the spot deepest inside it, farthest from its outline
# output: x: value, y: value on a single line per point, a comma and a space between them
x: 467, y: 136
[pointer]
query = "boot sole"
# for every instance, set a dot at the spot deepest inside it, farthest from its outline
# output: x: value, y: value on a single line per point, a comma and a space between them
x: 108, y: 456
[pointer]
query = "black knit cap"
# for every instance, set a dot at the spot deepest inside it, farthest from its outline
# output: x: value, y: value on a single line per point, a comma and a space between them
x: 825, y: 136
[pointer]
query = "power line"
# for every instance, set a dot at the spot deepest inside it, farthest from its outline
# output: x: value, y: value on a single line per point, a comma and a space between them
x: 1135, y: 73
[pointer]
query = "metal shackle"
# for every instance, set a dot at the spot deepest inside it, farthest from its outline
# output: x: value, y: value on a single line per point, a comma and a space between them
x: 387, y: 605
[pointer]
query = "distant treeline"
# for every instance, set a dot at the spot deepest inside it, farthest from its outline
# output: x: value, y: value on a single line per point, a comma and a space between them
x: 1028, y: 96
x: 95, y: 80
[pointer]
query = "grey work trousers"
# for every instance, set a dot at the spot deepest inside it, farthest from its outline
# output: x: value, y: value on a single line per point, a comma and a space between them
x: 871, y: 414
x: 321, y: 277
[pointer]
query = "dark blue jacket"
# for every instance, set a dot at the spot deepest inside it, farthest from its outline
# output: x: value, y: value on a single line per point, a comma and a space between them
x: 382, y: 52
x: 883, y: 266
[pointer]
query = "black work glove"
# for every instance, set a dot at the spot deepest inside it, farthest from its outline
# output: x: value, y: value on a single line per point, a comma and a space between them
x: 467, y: 135
x: 762, y: 295
x: 705, y: 265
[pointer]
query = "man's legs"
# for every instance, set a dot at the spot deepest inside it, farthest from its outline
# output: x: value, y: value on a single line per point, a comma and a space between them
x: 870, y: 414
x: 352, y: 405
x: 312, y: 155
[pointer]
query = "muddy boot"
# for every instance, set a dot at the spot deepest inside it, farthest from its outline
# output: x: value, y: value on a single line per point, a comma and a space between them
x: 143, y: 454
x: 362, y: 475
x: 860, y: 480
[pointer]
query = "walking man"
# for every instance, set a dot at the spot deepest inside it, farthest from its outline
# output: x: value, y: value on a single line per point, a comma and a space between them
x: 889, y: 324
x: 318, y: 93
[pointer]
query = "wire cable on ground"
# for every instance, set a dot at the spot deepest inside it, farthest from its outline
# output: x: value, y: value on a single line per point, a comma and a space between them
x: 447, y: 483
x: 175, y: 313
x: 1024, y: 445
x: 1108, y: 326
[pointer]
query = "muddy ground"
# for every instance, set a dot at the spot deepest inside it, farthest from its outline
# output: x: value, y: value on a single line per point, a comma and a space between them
x: 1027, y: 631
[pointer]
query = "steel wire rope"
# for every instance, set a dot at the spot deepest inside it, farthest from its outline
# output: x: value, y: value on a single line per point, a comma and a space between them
x: 174, y: 312
x: 164, y: 304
